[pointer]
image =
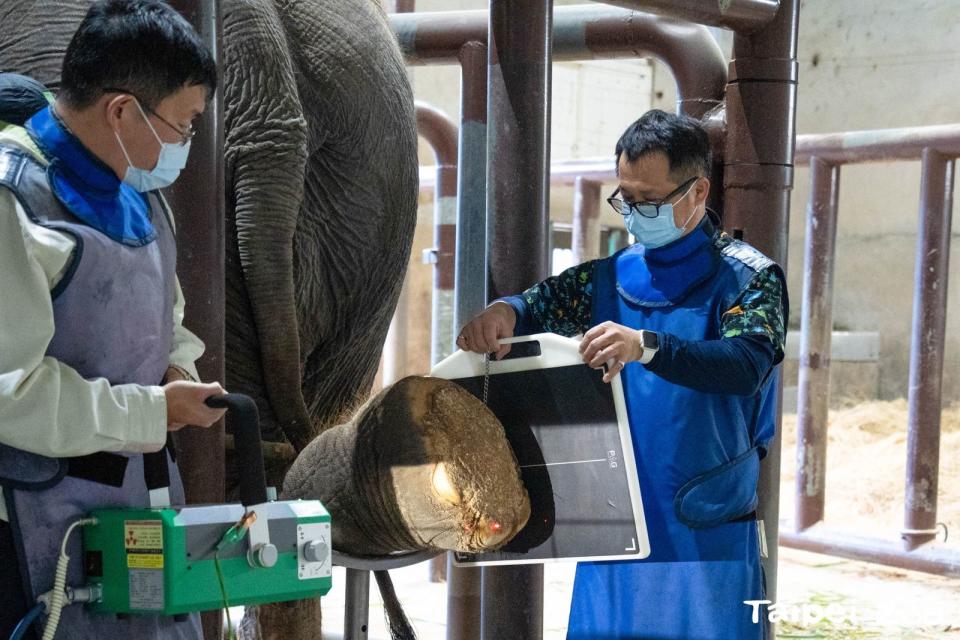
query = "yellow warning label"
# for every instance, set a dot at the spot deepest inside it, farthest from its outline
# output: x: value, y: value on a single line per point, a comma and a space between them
x: 143, y: 540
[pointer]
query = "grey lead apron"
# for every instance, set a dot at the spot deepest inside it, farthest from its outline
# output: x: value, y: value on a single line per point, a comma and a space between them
x: 113, y: 315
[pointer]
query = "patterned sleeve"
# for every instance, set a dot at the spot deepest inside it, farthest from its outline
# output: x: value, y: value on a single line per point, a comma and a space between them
x: 759, y: 310
x: 562, y: 304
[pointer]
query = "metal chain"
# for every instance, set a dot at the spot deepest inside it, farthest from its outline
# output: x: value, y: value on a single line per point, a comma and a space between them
x: 486, y: 377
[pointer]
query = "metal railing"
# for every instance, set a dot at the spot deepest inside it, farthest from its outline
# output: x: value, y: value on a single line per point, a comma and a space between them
x: 937, y: 149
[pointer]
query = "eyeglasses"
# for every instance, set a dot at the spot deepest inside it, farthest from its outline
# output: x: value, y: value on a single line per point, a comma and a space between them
x: 625, y: 208
x: 185, y: 136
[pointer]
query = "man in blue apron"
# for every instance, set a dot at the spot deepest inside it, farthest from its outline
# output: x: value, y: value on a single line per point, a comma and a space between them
x: 95, y: 366
x: 693, y: 321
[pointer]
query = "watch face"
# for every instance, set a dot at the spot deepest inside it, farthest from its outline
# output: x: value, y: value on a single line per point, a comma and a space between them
x: 650, y: 340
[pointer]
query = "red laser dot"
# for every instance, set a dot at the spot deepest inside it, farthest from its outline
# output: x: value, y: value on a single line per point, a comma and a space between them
x: 495, y: 526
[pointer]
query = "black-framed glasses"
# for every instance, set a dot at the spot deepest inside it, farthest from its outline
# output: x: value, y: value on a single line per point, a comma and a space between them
x: 185, y: 136
x: 648, y: 209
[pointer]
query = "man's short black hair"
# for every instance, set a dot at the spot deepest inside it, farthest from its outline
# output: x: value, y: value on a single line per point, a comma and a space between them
x: 142, y: 46
x: 680, y: 138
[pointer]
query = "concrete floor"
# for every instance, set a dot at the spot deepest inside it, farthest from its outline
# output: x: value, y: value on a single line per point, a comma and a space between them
x: 882, y: 602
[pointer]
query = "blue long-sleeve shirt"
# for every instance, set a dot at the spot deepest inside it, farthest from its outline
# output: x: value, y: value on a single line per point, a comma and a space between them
x: 750, y: 343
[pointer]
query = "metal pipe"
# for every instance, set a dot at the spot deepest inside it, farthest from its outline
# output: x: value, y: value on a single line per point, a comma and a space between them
x: 470, y: 292
x: 198, y: 203
x: 879, y: 144
x: 758, y: 176
x: 463, y: 602
x: 518, y: 173
x: 356, y: 615
x: 941, y: 561
x: 441, y: 133
x: 816, y: 326
x: 586, y: 32
x: 586, y: 220
x: 926, y: 348
x: 743, y: 16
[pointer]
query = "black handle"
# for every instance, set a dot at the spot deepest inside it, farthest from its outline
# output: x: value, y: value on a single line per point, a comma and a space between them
x: 246, y: 438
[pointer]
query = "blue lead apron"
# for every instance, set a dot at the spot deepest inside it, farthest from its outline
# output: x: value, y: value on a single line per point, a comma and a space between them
x: 697, y: 454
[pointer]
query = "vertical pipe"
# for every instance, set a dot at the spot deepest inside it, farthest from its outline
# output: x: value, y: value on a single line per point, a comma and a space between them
x: 816, y: 326
x: 441, y: 133
x: 586, y: 220
x: 518, y: 174
x: 926, y: 348
x: 518, y: 148
x: 758, y: 176
x: 445, y: 240
x: 470, y: 291
x: 442, y: 335
x: 197, y: 200
x: 356, y: 615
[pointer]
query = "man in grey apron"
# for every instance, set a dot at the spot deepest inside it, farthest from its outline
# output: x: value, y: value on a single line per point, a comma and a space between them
x: 95, y: 366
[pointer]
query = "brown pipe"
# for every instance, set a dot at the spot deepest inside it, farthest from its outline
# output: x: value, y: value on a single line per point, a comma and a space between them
x: 441, y: 133
x: 587, y: 200
x: 941, y: 562
x: 586, y: 32
x: 743, y: 16
x: 518, y: 174
x: 758, y: 176
x: 198, y: 202
x: 438, y: 130
x: 879, y: 144
x: 816, y: 326
x: 926, y: 348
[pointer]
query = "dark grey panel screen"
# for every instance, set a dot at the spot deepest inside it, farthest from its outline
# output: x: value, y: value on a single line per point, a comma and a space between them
x: 562, y: 424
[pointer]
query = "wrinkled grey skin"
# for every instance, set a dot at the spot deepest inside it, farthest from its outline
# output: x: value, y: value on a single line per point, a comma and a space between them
x: 321, y: 174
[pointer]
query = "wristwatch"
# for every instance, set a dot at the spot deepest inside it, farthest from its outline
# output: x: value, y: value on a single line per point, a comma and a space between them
x: 649, y: 344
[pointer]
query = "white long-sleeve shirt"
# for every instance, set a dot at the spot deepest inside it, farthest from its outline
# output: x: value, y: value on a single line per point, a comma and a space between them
x: 46, y: 407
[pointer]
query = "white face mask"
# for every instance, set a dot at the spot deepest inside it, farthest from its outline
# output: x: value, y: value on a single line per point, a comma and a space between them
x: 172, y: 160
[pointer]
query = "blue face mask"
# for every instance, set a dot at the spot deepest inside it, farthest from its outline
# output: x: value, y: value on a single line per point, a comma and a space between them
x: 656, y: 231
x: 172, y: 160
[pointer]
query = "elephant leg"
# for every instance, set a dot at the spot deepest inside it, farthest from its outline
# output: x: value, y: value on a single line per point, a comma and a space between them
x: 299, y: 619
x: 425, y: 465
x: 266, y: 153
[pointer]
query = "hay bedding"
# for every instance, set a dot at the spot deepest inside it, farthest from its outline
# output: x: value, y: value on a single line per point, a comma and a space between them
x: 866, y: 468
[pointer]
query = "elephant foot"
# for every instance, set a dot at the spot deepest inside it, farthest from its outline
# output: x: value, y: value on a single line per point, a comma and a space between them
x: 424, y: 465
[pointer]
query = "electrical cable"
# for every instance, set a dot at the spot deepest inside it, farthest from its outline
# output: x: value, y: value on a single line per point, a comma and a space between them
x: 21, y: 629
x: 223, y: 594
x: 231, y: 536
x: 58, y: 594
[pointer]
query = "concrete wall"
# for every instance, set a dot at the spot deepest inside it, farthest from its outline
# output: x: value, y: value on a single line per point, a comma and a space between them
x: 863, y: 65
